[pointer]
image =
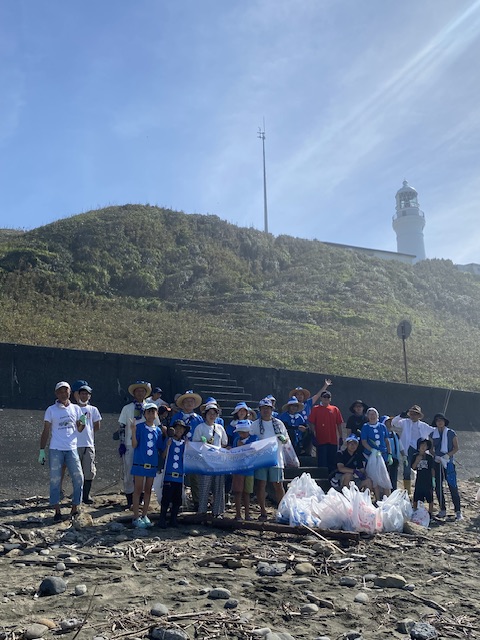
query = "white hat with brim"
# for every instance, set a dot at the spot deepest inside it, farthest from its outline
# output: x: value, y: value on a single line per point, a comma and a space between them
x: 293, y: 401
x: 140, y: 384
x: 62, y: 384
x: 210, y: 405
x: 243, y: 425
x: 150, y: 405
x: 188, y: 394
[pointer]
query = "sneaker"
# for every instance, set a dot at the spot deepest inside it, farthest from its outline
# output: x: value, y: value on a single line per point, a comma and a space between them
x: 458, y: 515
x: 57, y: 517
x: 263, y: 517
x: 147, y: 521
x: 139, y: 523
x: 441, y: 514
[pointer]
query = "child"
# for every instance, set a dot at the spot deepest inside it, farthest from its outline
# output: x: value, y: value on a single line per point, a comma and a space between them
x: 295, y: 423
x: 425, y: 482
x: 242, y: 484
x: 172, y: 492
x: 146, y: 440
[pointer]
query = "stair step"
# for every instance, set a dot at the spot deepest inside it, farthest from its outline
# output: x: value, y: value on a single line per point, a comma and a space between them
x: 213, y: 382
x: 193, y: 368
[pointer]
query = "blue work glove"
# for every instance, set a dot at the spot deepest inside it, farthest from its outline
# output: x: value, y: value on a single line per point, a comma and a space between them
x: 122, y: 450
x: 41, y: 456
x: 390, y: 460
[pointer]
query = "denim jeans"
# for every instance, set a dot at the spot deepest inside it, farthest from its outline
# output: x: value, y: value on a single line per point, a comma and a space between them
x: 57, y: 459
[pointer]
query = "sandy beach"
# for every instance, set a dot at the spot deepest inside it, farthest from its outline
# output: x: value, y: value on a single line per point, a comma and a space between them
x: 205, y: 582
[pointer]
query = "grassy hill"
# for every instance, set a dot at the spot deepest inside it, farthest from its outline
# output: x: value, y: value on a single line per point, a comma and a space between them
x: 139, y: 279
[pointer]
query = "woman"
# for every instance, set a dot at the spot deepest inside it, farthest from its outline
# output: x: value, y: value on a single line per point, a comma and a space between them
x: 375, y: 440
x: 357, y: 418
x: 209, y: 432
x: 295, y: 423
x: 445, y: 444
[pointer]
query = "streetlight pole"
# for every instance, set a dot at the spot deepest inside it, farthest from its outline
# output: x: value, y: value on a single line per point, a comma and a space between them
x: 261, y: 135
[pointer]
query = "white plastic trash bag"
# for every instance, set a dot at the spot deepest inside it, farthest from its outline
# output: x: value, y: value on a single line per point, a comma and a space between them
x: 421, y: 516
x: 377, y: 470
x: 158, y: 486
x: 365, y: 517
x: 296, y: 506
x: 396, y: 510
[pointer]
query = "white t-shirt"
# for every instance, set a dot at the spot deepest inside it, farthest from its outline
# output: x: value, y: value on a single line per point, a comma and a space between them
x: 219, y: 436
x: 126, y: 416
x: 64, y: 425
x: 159, y: 402
x: 86, y: 438
x: 269, y: 432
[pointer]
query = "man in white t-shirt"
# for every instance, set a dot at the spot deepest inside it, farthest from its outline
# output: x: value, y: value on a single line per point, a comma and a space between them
x: 86, y: 440
x: 267, y: 427
x: 62, y: 423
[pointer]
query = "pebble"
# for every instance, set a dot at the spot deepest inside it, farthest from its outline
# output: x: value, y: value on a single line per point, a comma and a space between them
x: 184, y: 582
x: 219, y: 594
x: 299, y: 580
x: 44, y: 552
x: 60, y: 566
x: 323, y: 548
x: 159, y: 609
x: 52, y: 586
x: 261, y: 631
x: 121, y: 538
x: 352, y: 635
x: 231, y: 603
x: 304, y: 569
x: 319, y: 638
x: 347, y: 581
x: 72, y: 560
x: 361, y: 597
x: 234, y: 563
x: 68, y: 572
x: 5, y: 534
x: 423, y: 631
x: 35, y: 630
x: 405, y: 625
x: 309, y: 609
x: 409, y: 587
x: 279, y: 635
x: 246, y: 585
x: 168, y: 634
x: 70, y: 623
x: 326, y: 604
x: 391, y: 581
x: 370, y: 577
x: 275, y: 569
x: 8, y: 546
x: 116, y: 527
x: 80, y: 589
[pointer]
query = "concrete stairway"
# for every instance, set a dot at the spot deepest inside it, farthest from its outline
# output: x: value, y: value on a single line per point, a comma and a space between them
x: 212, y: 380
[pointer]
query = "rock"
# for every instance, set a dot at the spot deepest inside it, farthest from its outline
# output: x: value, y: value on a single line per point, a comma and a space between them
x: 82, y: 520
x: 308, y: 609
x: 60, y: 566
x: 405, y: 625
x: 261, y: 631
x: 159, y: 609
x: 391, y: 581
x: 68, y: 624
x: 299, y: 581
x: 116, y: 527
x: 35, y: 630
x: 80, y: 589
x: 347, y: 581
x: 5, y: 534
x: 361, y: 597
x: 247, y: 584
x: 219, y: 594
x: 370, y: 577
x: 68, y: 572
x: 323, y: 548
x: 409, y: 587
x: 52, y: 586
x: 121, y: 538
x: 184, y: 582
x: 8, y: 546
x: 319, y: 638
x: 231, y: 603
x: 14, y: 553
x: 47, y: 622
x: 304, y: 569
x: 352, y: 635
x: 275, y: 569
x: 234, y: 563
x: 423, y: 631
x: 72, y: 560
x: 44, y: 552
x: 168, y: 634
x: 279, y: 635
x: 414, y: 529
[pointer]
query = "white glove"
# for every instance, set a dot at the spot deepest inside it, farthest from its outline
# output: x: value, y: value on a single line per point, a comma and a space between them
x: 446, y: 457
x: 438, y: 459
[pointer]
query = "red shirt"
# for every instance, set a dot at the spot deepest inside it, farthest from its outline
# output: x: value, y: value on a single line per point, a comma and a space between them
x: 325, y: 421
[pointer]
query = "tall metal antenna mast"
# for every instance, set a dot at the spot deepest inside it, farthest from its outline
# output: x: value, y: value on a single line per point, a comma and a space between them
x: 261, y: 135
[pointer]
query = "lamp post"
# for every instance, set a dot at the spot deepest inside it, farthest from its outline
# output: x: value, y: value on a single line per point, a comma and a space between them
x: 261, y: 135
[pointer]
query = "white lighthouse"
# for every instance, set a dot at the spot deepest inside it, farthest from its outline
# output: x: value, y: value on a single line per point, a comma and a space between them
x: 408, y: 223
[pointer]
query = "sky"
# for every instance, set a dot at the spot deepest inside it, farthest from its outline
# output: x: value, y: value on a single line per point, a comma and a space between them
x: 160, y: 101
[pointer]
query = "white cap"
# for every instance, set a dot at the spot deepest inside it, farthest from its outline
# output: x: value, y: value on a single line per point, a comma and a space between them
x: 59, y: 385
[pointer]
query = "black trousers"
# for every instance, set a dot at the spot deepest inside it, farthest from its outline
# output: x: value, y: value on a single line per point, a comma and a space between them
x: 172, y: 494
x: 440, y: 476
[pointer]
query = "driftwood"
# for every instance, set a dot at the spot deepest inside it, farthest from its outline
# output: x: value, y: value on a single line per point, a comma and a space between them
x: 252, y: 525
x: 53, y: 563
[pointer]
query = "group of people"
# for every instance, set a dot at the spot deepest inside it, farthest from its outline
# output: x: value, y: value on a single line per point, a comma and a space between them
x: 152, y: 438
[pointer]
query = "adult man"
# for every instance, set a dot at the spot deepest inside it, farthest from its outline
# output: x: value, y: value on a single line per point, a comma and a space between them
x: 86, y: 440
x: 445, y: 442
x: 131, y: 413
x: 326, y: 422
x: 62, y: 423
x: 410, y: 428
x: 267, y: 426
x: 304, y: 395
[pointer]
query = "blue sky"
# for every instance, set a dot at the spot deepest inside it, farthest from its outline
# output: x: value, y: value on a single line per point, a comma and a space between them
x: 159, y: 102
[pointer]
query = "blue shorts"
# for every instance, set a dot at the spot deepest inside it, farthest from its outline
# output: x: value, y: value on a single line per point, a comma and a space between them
x: 269, y: 474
